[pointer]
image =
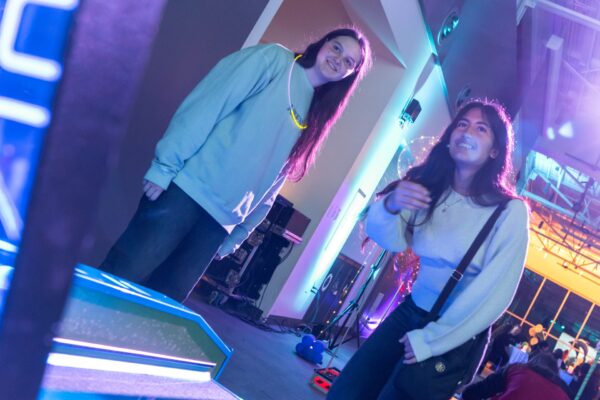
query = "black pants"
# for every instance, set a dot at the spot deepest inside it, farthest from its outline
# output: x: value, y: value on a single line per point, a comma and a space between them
x: 369, y: 374
x: 167, y: 245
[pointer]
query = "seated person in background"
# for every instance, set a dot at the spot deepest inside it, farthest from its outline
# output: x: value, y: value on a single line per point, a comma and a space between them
x: 538, y: 379
x: 592, y: 388
x: 558, y: 355
x: 505, y: 336
x: 542, y: 347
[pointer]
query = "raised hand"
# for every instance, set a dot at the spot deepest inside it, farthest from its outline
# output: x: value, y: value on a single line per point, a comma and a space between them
x: 407, y: 195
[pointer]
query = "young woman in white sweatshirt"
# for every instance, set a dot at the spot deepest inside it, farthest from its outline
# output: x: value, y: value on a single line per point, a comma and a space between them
x: 437, y: 209
x: 258, y: 118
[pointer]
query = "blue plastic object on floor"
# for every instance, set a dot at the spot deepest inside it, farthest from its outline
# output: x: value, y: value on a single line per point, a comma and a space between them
x: 311, y: 349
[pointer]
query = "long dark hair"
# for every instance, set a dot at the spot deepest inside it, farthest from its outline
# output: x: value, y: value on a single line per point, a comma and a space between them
x: 491, y: 184
x: 328, y: 103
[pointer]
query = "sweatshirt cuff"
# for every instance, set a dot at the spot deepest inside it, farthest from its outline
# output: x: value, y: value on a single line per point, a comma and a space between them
x: 227, y: 248
x: 385, y: 229
x: 233, y: 241
x: 156, y: 175
x: 377, y: 212
x: 420, y: 347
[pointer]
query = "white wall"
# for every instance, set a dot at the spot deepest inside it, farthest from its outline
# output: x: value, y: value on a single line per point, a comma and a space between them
x: 431, y: 122
x: 433, y: 119
x: 360, y: 147
x: 314, y: 195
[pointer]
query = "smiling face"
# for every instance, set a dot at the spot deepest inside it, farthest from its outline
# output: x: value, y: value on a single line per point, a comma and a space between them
x: 472, y: 141
x: 338, y: 58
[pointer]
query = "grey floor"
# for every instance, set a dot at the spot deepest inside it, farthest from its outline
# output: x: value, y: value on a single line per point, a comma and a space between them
x: 264, y: 365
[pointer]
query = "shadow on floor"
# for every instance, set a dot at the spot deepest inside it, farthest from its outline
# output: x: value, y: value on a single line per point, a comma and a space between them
x: 263, y: 365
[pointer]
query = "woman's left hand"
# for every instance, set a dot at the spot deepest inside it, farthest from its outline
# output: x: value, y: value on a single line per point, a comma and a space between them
x: 409, y: 355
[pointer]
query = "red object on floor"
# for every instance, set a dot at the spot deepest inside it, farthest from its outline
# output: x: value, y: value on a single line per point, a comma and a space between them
x: 323, y: 378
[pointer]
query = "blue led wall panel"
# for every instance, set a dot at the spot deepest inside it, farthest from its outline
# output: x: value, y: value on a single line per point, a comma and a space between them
x: 33, y: 38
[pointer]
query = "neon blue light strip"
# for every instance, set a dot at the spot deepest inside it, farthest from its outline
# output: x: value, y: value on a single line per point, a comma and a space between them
x: 99, y: 364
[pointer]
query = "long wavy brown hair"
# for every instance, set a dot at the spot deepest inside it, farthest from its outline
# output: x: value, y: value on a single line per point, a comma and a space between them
x: 491, y: 184
x: 328, y: 103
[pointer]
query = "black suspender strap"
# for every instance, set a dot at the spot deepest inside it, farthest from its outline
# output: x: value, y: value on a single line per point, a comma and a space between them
x: 464, y: 263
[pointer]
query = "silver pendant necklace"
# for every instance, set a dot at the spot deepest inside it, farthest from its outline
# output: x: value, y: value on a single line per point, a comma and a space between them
x: 446, y: 205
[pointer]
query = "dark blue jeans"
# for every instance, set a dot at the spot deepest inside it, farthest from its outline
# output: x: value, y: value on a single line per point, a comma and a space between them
x: 369, y: 373
x: 167, y: 245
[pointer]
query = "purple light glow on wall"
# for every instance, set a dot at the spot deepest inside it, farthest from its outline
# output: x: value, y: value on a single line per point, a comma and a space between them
x: 389, y: 291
